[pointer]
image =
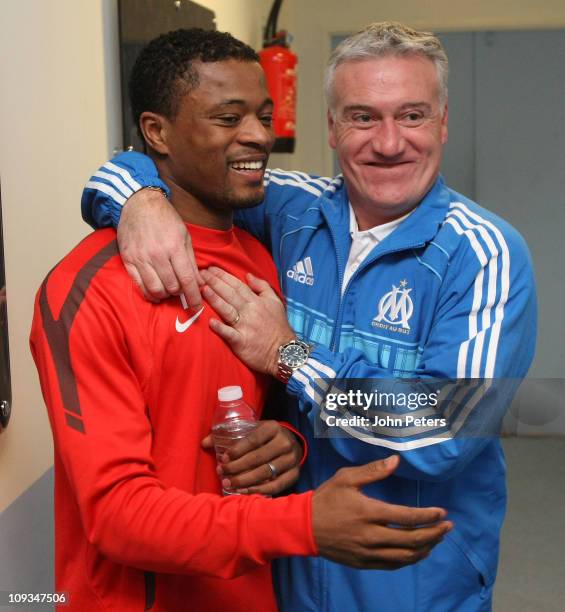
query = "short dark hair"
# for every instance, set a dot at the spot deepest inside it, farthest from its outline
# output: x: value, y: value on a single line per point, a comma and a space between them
x: 164, y: 72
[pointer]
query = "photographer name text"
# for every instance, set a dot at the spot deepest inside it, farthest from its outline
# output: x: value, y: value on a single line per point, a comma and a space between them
x: 407, y: 420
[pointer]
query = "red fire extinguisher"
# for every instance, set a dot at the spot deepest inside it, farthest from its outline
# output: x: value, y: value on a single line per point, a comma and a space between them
x: 279, y: 64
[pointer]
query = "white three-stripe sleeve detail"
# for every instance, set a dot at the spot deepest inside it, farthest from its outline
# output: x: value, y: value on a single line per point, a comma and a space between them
x: 128, y: 178
x: 492, y: 264
x: 304, y: 186
x: 110, y: 191
x: 309, y: 390
x: 397, y: 446
x: 471, y: 402
x: 477, y: 354
x: 505, y: 289
x: 491, y: 288
x: 116, y: 181
x: 315, y: 377
x: 320, y: 367
x: 304, y: 176
x: 323, y: 183
x: 477, y: 295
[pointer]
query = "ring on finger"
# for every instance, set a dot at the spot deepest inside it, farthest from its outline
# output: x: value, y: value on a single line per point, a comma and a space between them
x: 273, y: 470
x: 236, y: 320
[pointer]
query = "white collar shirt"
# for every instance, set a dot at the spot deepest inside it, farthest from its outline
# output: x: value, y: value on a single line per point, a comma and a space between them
x: 362, y: 242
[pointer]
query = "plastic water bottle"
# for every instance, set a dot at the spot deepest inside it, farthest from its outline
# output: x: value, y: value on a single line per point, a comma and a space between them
x: 233, y: 420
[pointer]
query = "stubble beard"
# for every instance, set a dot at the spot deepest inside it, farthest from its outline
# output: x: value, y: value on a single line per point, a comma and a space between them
x: 234, y: 201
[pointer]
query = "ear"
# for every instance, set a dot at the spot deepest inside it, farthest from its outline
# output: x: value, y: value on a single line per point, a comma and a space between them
x: 331, y: 129
x: 444, y: 121
x: 155, y: 130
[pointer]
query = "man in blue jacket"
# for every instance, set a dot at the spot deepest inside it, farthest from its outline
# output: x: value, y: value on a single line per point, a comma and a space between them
x: 388, y: 275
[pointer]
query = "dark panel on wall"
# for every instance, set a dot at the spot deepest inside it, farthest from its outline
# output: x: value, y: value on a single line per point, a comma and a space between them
x: 5, y: 386
x: 521, y: 162
x: 459, y: 155
x: 141, y: 21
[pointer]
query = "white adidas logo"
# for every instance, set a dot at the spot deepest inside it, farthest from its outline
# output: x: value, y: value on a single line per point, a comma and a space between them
x: 302, y: 272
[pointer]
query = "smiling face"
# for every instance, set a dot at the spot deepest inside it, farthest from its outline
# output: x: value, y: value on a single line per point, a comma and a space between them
x: 217, y: 146
x: 388, y: 129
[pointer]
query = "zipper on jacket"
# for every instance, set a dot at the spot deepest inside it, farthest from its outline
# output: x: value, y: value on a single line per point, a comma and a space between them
x: 340, y: 270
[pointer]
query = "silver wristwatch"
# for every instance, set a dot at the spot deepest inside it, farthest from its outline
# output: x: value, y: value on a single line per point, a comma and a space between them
x: 292, y: 355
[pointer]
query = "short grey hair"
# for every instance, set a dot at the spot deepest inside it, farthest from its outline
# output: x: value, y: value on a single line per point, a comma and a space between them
x: 383, y: 39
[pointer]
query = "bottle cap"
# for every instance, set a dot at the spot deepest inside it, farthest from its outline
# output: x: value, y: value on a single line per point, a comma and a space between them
x: 229, y: 394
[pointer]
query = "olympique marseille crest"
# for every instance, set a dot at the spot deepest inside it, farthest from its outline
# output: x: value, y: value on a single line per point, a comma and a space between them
x: 395, y: 309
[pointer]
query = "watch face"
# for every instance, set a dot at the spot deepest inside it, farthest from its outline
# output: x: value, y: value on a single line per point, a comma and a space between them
x: 294, y: 355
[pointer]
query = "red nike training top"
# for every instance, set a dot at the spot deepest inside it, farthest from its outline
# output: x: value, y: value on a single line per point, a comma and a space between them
x: 130, y: 388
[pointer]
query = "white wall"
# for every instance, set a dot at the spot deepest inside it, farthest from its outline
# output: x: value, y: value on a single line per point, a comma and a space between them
x: 53, y: 133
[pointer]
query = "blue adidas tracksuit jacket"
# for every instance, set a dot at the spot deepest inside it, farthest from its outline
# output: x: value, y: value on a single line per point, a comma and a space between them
x: 448, y: 295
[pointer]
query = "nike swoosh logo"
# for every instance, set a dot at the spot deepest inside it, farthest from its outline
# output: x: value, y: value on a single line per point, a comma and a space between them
x: 182, y: 327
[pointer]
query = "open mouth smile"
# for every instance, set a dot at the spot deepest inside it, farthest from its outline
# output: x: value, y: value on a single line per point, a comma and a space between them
x: 248, y: 166
x: 249, y: 170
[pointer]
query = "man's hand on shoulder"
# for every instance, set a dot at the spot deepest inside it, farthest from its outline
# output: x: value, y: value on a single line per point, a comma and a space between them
x: 157, y: 250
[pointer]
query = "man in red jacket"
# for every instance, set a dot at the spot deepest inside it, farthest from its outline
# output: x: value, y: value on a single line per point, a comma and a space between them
x: 131, y: 386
